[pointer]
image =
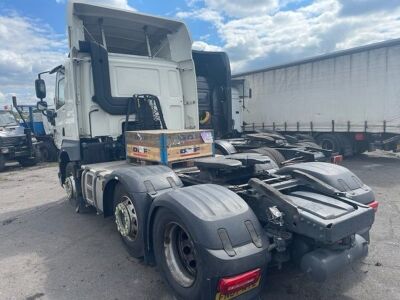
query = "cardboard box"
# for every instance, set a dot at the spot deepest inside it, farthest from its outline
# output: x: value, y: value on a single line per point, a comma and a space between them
x: 169, y: 146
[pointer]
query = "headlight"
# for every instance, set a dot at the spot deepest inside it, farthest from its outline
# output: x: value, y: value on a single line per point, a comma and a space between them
x: 34, y: 140
x: 4, y: 150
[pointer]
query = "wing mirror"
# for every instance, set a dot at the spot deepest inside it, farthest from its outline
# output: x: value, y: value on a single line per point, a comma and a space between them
x: 40, y: 87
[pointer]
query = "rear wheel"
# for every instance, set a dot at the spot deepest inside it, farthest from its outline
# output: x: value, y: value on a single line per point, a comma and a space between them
x: 272, y: 153
x: 127, y: 219
x: 176, y: 255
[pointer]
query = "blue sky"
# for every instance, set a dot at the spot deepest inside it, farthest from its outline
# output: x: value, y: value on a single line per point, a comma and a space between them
x: 254, y: 33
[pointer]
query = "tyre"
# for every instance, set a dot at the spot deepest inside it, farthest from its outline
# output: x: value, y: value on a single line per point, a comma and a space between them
x: 272, y: 153
x: 128, y: 220
x: 2, y: 163
x: 176, y: 255
x: 28, y: 161
x: 330, y: 142
x: 48, y: 152
x: 71, y: 185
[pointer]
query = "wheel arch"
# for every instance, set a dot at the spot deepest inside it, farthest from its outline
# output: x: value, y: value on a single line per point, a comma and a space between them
x: 63, y: 160
x: 218, y: 208
x: 225, y: 147
x: 108, y: 196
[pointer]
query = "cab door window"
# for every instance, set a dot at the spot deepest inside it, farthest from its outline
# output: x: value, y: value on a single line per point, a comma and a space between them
x: 60, y: 82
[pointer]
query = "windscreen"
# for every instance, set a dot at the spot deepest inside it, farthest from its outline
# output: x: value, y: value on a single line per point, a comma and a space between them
x: 7, y: 119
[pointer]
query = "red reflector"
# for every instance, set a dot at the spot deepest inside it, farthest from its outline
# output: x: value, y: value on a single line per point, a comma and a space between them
x: 374, y: 205
x: 337, y: 159
x: 234, y: 284
x: 359, y: 136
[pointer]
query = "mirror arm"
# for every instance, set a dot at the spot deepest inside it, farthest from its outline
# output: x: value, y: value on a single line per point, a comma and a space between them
x: 14, y: 101
x: 41, y: 73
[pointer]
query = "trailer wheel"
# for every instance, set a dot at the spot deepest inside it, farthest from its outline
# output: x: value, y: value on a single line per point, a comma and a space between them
x: 272, y: 153
x: 127, y: 219
x: 176, y: 255
x: 347, y: 146
x: 2, y: 163
x: 329, y: 142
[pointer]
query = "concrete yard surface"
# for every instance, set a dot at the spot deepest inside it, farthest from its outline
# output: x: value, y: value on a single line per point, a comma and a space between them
x: 47, y: 251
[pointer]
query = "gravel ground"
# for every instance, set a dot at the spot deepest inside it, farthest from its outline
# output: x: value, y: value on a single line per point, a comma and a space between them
x: 49, y: 252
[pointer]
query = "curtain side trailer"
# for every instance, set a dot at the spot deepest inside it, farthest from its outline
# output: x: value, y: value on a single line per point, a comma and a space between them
x: 348, y: 100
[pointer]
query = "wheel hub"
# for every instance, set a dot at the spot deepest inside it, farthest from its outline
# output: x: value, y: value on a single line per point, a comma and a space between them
x: 180, y: 254
x: 126, y: 219
x: 70, y: 188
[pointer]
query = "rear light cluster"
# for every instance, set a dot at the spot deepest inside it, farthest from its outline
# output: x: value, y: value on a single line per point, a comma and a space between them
x: 240, y: 283
x: 374, y: 205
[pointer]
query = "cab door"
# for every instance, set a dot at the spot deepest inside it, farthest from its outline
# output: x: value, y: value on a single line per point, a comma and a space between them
x: 59, y: 102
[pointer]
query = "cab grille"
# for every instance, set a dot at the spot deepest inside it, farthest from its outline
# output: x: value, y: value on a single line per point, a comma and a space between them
x: 12, y: 141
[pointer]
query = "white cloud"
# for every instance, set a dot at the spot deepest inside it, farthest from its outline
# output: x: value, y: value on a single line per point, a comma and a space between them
x: 203, y: 14
x: 273, y: 35
x: 28, y: 46
x: 242, y: 8
x: 203, y: 46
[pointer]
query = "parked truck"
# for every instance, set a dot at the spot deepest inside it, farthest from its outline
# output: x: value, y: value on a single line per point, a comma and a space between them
x: 16, y: 142
x: 127, y: 127
x: 220, y: 109
x: 33, y: 119
x: 348, y: 100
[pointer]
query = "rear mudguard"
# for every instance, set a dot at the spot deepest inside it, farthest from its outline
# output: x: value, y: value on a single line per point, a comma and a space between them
x: 225, y: 147
x: 307, y: 155
x: 225, y: 230
x: 336, y: 176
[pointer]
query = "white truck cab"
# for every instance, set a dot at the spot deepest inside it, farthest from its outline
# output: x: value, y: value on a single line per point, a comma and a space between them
x: 113, y: 55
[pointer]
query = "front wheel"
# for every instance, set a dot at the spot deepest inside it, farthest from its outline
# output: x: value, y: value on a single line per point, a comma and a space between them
x: 48, y: 152
x: 127, y: 219
x: 28, y: 161
x: 176, y: 255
